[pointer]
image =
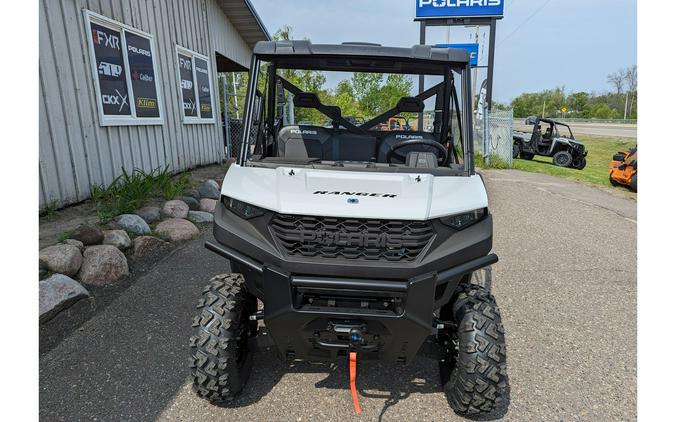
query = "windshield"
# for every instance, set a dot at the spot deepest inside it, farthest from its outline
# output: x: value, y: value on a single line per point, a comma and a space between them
x: 354, y: 120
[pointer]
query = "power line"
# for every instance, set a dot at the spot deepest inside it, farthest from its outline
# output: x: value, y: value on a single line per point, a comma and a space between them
x: 519, y: 26
x: 525, y: 21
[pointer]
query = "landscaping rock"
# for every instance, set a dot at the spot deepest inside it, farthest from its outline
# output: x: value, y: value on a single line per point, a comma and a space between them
x: 208, y: 205
x: 200, y: 217
x: 191, y: 202
x: 117, y: 238
x: 209, y: 189
x: 57, y: 293
x: 176, y: 229
x: 103, y: 264
x: 88, y: 235
x: 149, y: 214
x: 133, y: 223
x: 145, y: 245
x: 64, y: 259
x: 175, y: 209
x: 192, y: 192
x: 79, y: 245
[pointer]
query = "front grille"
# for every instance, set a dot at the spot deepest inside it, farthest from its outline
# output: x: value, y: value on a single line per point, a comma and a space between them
x: 349, y: 238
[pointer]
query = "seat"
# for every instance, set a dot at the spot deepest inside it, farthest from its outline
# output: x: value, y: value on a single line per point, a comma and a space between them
x: 394, y: 138
x: 304, y: 142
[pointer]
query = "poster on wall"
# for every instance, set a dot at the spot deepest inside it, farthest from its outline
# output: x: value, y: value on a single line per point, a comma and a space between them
x: 203, y: 88
x: 110, y: 66
x: 142, y: 74
x: 187, y: 85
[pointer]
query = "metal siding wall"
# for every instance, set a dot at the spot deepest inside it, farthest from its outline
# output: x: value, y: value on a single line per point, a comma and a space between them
x: 75, y: 151
x: 226, y: 39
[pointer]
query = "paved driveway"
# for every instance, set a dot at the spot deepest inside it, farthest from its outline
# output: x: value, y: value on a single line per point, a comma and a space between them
x: 566, y: 285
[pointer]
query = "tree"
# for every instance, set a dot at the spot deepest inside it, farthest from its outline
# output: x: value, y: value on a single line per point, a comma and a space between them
x: 616, y: 80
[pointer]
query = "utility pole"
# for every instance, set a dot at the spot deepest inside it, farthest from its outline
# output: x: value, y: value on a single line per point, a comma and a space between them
x: 475, y: 77
x: 543, y: 110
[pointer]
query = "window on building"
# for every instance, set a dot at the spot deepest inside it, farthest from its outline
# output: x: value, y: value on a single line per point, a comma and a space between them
x: 194, y: 74
x: 124, y: 69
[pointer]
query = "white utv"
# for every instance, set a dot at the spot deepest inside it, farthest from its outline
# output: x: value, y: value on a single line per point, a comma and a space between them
x: 356, y: 241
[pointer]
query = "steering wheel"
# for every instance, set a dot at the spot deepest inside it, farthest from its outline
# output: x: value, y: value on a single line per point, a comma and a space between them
x: 442, y: 156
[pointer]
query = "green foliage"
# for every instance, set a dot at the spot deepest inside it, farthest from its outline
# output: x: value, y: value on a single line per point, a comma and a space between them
x: 496, y: 162
x: 130, y: 191
x: 50, y: 211
x: 611, y: 105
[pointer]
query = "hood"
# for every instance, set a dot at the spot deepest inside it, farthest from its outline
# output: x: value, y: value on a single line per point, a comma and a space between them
x: 358, y: 194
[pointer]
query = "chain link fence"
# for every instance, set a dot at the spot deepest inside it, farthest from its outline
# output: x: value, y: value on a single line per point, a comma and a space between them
x: 493, y: 136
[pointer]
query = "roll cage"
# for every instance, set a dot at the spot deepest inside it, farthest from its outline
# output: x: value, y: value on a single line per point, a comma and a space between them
x: 356, y: 57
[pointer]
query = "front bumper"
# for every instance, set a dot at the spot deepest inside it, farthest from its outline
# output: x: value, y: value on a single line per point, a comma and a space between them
x: 314, y: 317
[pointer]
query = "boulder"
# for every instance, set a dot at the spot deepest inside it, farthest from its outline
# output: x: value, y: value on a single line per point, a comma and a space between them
x: 64, y: 259
x: 57, y: 293
x: 146, y: 245
x: 175, y: 209
x: 209, y: 189
x: 103, y: 264
x: 176, y: 229
x: 149, y: 214
x: 133, y: 223
x: 88, y: 235
x: 117, y: 238
x: 208, y: 205
x: 79, y: 245
x: 192, y: 192
x: 200, y: 217
x: 191, y: 202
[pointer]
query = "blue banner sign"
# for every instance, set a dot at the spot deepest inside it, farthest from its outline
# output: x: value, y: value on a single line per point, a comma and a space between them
x: 459, y: 8
x: 472, y: 49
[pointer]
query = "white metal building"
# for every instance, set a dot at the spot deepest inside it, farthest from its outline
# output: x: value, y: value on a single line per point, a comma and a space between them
x: 133, y: 84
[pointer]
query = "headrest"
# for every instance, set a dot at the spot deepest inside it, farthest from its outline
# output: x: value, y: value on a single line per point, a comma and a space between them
x: 410, y: 105
x: 306, y: 100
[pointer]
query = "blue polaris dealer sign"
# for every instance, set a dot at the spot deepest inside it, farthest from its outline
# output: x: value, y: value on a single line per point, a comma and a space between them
x: 459, y: 8
x: 472, y: 49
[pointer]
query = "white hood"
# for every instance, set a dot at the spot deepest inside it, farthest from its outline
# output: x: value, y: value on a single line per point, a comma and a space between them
x: 340, y: 193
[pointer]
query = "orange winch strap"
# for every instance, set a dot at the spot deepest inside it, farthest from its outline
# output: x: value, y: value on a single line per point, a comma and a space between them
x: 352, y: 381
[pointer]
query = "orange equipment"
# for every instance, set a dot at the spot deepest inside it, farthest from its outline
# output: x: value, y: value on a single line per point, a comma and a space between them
x: 623, y: 169
x: 399, y: 123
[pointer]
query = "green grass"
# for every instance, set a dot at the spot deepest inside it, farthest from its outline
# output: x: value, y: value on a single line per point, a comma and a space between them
x: 600, y: 152
x: 130, y: 191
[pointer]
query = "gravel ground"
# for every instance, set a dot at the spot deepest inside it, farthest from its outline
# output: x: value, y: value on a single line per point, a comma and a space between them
x: 566, y: 285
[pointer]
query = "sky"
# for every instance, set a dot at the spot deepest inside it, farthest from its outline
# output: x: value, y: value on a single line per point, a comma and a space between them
x: 541, y: 44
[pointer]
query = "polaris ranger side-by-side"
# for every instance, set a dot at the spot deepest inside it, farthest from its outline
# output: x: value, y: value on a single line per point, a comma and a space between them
x: 555, y: 141
x: 359, y: 242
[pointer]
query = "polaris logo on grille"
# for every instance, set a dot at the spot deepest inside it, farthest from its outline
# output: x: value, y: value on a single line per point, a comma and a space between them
x: 409, y: 137
x: 373, y: 195
x: 365, y: 240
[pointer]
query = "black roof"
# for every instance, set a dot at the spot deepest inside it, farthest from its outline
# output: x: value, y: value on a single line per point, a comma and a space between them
x: 304, y: 54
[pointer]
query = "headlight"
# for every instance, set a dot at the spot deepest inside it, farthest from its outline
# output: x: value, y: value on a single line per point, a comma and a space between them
x: 242, y: 209
x: 464, y: 220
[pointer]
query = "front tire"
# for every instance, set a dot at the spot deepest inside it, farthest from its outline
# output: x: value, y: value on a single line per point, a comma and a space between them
x: 562, y: 159
x: 474, y: 372
x: 516, y: 149
x: 220, y: 361
x: 633, y: 183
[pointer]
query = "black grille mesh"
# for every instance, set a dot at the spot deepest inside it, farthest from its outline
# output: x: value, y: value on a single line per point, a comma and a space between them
x: 348, y: 238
